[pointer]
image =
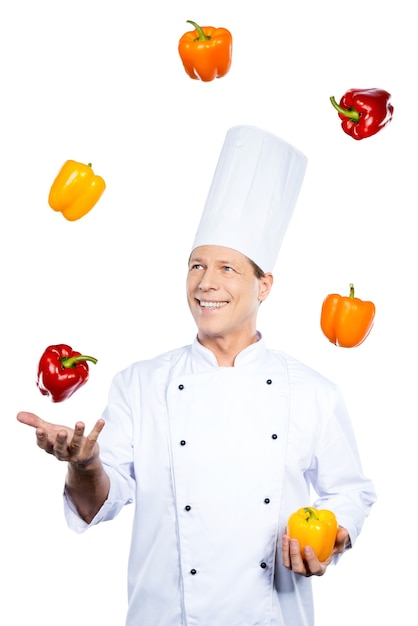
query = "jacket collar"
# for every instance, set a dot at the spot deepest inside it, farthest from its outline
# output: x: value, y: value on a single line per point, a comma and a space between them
x: 252, y: 354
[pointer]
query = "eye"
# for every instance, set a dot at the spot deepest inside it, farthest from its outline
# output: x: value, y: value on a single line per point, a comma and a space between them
x: 196, y: 266
x: 228, y: 268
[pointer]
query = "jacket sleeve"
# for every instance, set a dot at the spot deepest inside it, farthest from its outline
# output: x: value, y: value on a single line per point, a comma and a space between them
x: 116, y: 453
x: 336, y: 471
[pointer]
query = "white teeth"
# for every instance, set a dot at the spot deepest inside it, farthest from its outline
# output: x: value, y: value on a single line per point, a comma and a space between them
x: 213, y: 305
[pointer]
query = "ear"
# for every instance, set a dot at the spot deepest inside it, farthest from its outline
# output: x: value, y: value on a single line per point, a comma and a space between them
x: 265, y: 285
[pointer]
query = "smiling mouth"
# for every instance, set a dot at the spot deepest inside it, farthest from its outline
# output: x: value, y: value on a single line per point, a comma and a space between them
x: 212, y: 305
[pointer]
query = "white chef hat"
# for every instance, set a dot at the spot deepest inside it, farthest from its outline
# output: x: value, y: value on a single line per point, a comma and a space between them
x: 252, y: 196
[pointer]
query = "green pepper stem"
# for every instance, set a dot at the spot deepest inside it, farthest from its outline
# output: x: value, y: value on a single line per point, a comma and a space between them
x: 310, y: 514
x: 72, y: 360
x: 202, y: 36
x: 352, y: 114
x: 351, y: 290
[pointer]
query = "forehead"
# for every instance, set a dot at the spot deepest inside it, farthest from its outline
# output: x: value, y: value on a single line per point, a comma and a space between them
x: 218, y: 254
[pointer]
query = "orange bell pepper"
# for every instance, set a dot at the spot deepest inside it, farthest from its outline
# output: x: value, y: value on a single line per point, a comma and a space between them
x: 75, y: 190
x: 206, y: 52
x: 345, y: 320
x: 316, y: 528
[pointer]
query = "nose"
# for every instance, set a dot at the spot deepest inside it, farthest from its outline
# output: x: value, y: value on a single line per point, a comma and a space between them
x: 208, y: 280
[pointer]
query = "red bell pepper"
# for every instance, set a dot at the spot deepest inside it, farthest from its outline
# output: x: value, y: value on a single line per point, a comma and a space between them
x: 61, y: 371
x: 364, y: 112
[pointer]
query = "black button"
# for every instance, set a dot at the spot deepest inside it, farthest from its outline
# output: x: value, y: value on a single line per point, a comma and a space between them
x: 274, y: 436
x: 193, y: 572
x: 182, y: 442
x: 181, y: 387
x: 263, y: 565
x: 269, y: 381
x: 267, y: 500
x: 188, y: 507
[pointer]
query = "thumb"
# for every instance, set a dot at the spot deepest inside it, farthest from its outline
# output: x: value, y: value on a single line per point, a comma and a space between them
x: 342, y: 536
x: 30, y: 419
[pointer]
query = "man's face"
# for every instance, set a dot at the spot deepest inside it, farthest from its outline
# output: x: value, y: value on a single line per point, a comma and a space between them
x: 223, y: 293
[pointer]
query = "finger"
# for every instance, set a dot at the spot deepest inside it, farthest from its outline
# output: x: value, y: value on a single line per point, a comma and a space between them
x: 77, y: 439
x: 294, y: 558
x: 342, y: 541
x: 342, y: 535
x: 60, y: 447
x: 42, y: 440
x: 297, y: 563
x: 93, y: 436
x: 30, y: 419
x: 285, y: 551
x: 312, y: 565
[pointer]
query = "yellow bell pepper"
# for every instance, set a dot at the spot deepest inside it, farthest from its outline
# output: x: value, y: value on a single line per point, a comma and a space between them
x: 316, y: 528
x: 75, y: 190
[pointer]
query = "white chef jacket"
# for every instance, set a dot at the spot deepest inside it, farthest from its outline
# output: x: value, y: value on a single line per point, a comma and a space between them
x: 215, y: 460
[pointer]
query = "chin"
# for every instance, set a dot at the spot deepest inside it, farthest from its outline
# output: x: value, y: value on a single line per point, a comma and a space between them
x: 210, y: 332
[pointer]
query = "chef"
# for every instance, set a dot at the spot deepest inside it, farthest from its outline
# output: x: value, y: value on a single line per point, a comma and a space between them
x: 218, y: 442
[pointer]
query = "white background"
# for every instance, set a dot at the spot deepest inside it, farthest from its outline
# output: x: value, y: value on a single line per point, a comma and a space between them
x: 102, y: 82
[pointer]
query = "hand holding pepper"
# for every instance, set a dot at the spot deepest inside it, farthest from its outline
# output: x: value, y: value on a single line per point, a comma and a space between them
x: 75, y: 190
x: 364, y: 112
x: 61, y: 371
x: 316, y: 528
x: 345, y: 320
x: 206, y: 52
x: 305, y: 561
